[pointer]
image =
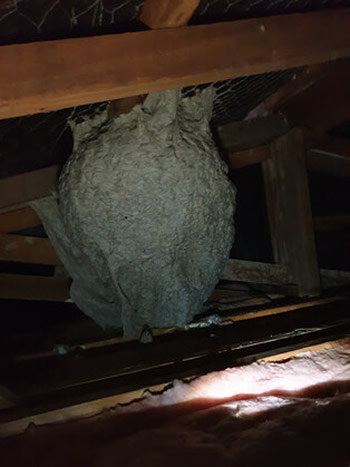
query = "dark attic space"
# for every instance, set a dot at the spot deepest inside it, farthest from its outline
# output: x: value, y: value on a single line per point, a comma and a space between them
x: 174, y: 233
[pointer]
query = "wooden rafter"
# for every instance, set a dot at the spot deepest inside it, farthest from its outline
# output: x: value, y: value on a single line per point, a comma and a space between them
x: 239, y: 159
x: 26, y: 249
x: 43, y: 76
x: 159, y: 14
x: 301, y: 81
x: 325, y: 104
x: 20, y: 189
x: 253, y: 271
x: 19, y: 219
x: 250, y: 133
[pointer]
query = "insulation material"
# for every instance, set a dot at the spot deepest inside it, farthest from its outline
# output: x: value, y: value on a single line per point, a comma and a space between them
x: 291, y: 413
x: 144, y: 220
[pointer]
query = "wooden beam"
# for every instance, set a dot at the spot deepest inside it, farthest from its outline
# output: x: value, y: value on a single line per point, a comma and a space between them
x: 19, y: 189
x: 247, y: 134
x: 21, y: 287
x: 237, y: 160
x: 289, y: 210
x: 159, y: 14
x: 331, y: 278
x: 324, y: 105
x: 301, y: 80
x: 253, y: 271
x: 20, y: 219
x: 285, y: 356
x: 51, y: 75
x: 92, y: 375
x: 27, y: 250
x: 100, y: 403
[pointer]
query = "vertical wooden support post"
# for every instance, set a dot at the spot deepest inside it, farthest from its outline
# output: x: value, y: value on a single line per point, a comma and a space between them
x: 289, y: 210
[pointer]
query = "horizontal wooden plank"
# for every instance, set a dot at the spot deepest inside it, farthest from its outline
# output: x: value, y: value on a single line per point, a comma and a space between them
x: 19, y: 219
x: 251, y: 133
x: 101, y: 373
x: 19, y: 189
x: 310, y: 108
x: 31, y: 347
x: 71, y: 412
x: 26, y: 249
x: 22, y: 287
x: 98, y: 405
x: 239, y: 159
x: 332, y: 278
x: 301, y: 80
x: 167, y: 13
x: 42, y: 76
x: 312, y: 348
x: 253, y: 271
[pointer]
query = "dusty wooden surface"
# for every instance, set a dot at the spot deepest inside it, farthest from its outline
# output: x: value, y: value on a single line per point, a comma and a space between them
x: 25, y: 249
x: 19, y: 189
x: 18, y: 220
x: 43, y: 76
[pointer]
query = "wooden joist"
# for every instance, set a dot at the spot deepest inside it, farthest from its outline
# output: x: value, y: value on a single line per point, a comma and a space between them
x: 251, y: 133
x: 289, y: 211
x: 26, y: 249
x: 253, y: 271
x: 43, y: 76
x: 117, y: 369
x: 159, y: 14
x: 19, y: 189
x: 325, y: 104
x: 19, y: 219
x: 326, y: 155
x: 23, y: 287
x: 301, y: 81
x: 331, y: 278
x: 239, y: 159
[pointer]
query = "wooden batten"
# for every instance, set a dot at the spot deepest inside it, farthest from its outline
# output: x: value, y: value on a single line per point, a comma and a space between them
x: 27, y: 249
x: 19, y: 219
x: 50, y: 75
x: 20, y: 189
